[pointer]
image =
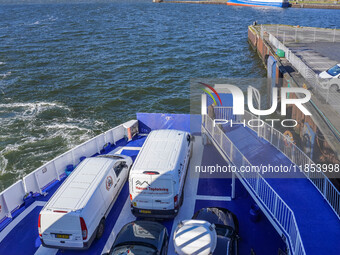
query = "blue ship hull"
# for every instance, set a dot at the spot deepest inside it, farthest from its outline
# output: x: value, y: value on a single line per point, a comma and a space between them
x: 256, y: 3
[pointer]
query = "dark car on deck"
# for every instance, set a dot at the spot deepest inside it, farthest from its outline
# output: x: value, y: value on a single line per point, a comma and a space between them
x: 141, y: 238
x: 226, y: 226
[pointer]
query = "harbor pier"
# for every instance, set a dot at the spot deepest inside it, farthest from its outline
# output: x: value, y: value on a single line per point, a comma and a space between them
x: 294, y: 57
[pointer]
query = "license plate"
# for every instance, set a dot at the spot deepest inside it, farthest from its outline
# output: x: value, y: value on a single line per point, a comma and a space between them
x: 145, y: 211
x: 62, y: 236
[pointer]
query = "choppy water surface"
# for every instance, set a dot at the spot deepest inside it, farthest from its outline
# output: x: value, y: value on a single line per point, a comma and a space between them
x: 71, y: 71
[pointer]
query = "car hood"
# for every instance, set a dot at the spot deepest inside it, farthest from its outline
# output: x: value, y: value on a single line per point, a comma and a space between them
x: 325, y: 75
x: 140, y: 232
x: 216, y: 216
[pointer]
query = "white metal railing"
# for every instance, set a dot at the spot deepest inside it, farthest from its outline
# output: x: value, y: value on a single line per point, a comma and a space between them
x: 273, y: 203
x: 12, y: 197
x: 322, y: 86
x: 295, y: 154
x: 289, y: 34
x: 297, y: 62
x: 222, y: 112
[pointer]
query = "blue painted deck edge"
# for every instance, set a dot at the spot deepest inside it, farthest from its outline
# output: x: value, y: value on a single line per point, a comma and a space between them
x: 152, y: 121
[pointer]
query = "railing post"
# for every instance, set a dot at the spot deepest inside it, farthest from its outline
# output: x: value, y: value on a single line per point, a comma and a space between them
x: 113, y: 137
x: 293, y: 153
x: 296, y: 243
x: 213, y: 131
x: 231, y: 151
x: 98, y: 150
x: 275, y: 207
x: 37, y: 181
x: 271, y: 135
x: 325, y: 187
x: 56, y: 170
x: 284, y: 37
x: 73, y: 158
x: 221, y: 138
x: 6, y: 209
x: 308, y: 172
x: 233, y: 185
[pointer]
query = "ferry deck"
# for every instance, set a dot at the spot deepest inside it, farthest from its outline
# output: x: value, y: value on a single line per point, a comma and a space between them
x: 294, y: 217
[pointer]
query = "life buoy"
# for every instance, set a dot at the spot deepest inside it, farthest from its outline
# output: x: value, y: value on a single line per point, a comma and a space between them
x: 288, y: 138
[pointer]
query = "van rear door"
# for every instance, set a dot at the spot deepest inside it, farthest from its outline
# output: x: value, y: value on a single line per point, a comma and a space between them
x: 162, y: 192
x: 153, y: 191
x: 60, y: 228
x: 140, y: 191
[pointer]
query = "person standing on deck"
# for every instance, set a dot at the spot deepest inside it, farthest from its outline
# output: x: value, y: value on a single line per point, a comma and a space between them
x: 211, y: 110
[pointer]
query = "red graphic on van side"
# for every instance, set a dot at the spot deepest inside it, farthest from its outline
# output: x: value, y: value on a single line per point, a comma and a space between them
x: 109, y: 182
x: 153, y: 189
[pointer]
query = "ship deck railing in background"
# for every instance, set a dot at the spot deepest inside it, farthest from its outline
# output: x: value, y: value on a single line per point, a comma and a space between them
x: 11, y: 199
x: 284, y: 144
x: 278, y: 210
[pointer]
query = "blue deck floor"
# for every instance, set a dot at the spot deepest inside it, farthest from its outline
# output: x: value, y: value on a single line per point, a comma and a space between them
x: 259, y: 236
x: 319, y: 226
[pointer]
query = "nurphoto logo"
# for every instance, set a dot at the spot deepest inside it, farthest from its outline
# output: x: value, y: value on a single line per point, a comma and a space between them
x: 239, y: 100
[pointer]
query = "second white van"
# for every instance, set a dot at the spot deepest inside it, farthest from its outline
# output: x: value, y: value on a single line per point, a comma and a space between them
x: 75, y: 214
x: 156, y: 179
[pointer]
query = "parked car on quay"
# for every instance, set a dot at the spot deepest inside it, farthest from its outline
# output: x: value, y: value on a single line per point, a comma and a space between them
x: 330, y: 79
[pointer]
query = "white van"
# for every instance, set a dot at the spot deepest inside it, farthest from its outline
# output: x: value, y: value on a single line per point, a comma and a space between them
x: 76, y: 213
x: 156, y: 180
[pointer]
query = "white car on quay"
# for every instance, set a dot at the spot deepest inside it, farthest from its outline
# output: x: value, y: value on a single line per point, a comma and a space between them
x: 330, y: 79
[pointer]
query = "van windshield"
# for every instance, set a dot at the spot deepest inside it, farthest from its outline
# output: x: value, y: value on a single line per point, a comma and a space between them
x: 134, y: 250
x: 335, y: 70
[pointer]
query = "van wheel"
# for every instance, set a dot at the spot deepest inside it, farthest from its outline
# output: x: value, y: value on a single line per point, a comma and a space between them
x: 334, y: 88
x: 100, y: 229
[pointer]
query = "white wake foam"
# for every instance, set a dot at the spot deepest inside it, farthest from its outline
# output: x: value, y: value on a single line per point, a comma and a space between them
x: 24, y: 136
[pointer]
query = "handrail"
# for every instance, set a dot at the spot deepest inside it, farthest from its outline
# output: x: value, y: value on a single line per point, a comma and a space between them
x: 296, y: 155
x: 274, y: 204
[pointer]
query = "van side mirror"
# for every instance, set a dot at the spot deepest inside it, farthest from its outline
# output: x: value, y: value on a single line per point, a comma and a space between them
x: 190, y: 138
